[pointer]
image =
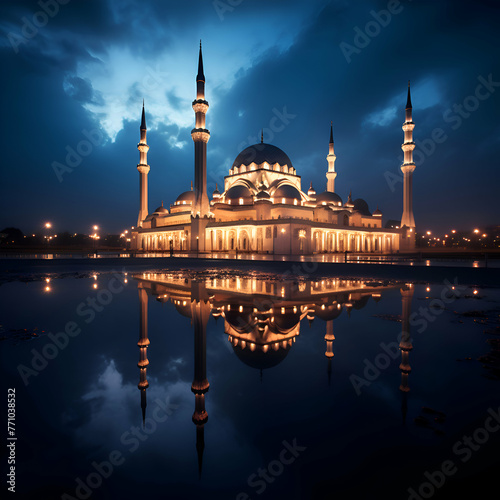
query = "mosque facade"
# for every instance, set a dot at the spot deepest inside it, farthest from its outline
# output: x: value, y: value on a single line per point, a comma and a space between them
x: 263, y: 208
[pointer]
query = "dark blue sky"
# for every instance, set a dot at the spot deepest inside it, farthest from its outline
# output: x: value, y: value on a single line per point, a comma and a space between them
x: 84, y: 67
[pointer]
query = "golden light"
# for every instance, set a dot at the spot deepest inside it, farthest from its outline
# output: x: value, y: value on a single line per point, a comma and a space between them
x: 96, y: 228
x: 48, y: 225
x: 453, y: 231
x: 428, y: 289
x: 47, y: 280
x: 475, y: 292
x: 428, y: 233
x: 47, y: 288
x: 484, y: 235
x: 282, y: 229
x: 476, y: 231
x: 446, y: 236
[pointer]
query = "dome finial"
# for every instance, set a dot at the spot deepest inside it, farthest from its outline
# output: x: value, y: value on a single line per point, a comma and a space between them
x: 191, y: 185
x: 262, y: 136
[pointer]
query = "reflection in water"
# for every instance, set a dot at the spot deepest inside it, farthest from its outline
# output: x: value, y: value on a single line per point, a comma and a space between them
x: 261, y: 320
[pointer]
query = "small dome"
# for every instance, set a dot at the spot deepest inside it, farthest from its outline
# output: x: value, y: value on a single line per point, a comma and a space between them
x: 329, y: 197
x: 238, y: 191
x: 259, y: 359
x: 161, y: 209
x: 378, y: 212
x: 287, y: 191
x: 261, y: 152
x: 263, y: 195
x: 311, y: 191
x: 187, y: 196
x: 361, y: 206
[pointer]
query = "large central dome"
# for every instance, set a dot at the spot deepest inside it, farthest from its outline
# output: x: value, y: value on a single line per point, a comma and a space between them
x: 261, y: 152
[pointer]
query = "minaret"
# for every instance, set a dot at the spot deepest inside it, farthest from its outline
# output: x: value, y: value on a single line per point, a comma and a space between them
x: 329, y: 337
x: 331, y: 174
x: 143, y: 168
x: 143, y: 346
x: 405, y: 344
x: 200, y: 312
x: 200, y: 137
x: 408, y: 167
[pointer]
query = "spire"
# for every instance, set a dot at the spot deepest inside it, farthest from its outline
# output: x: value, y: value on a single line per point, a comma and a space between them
x: 262, y: 136
x: 331, y: 132
x: 408, y: 100
x: 200, y: 75
x: 143, y: 121
x: 191, y: 185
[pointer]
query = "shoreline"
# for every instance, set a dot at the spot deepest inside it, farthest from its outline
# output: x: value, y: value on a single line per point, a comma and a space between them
x: 480, y: 276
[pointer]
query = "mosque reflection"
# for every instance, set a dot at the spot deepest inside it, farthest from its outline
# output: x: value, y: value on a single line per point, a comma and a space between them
x: 261, y: 320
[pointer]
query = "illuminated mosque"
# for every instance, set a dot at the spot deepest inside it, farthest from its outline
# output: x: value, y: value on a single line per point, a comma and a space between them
x: 262, y: 208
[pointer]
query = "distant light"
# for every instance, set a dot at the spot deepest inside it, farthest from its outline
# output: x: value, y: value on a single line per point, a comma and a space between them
x: 484, y: 235
x: 47, y: 288
x: 453, y: 231
x: 48, y: 225
x: 428, y: 289
x: 476, y: 231
x: 428, y: 233
x: 475, y: 292
x: 47, y: 280
x: 95, y: 285
x: 96, y: 228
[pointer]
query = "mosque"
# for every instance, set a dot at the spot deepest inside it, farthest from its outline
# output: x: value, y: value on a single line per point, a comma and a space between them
x: 263, y: 208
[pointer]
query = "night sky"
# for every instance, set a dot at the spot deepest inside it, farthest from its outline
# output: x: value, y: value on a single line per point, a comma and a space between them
x: 287, y: 66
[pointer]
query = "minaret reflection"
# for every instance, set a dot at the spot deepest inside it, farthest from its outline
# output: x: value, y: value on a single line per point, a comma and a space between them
x: 143, y: 347
x: 405, y: 345
x: 200, y: 312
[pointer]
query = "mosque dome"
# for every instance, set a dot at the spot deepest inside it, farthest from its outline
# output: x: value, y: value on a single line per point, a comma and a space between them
x: 161, y: 209
x: 328, y: 197
x: 186, y: 198
x: 238, y: 191
x: 260, y: 359
x: 287, y: 191
x: 260, y: 153
x: 361, y: 206
x: 378, y: 212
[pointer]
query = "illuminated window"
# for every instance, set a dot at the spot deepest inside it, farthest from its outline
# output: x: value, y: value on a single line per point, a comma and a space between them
x: 241, y: 201
x: 282, y: 200
x: 295, y: 202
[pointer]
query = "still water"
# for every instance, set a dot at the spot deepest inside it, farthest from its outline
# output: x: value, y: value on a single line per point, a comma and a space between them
x: 223, y: 384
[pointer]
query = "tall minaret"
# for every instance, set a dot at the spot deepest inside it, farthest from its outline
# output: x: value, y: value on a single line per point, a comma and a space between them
x: 331, y: 174
x: 143, y: 346
x: 200, y: 137
x: 143, y: 168
x: 408, y: 167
